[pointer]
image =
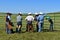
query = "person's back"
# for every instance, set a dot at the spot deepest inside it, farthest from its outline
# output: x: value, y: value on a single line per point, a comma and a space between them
x: 19, y: 18
x: 51, y: 23
x: 29, y: 18
x: 19, y: 23
x: 35, y: 18
x: 50, y: 20
x: 40, y: 18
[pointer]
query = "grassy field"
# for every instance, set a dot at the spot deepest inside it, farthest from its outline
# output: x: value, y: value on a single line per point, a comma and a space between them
x: 46, y: 35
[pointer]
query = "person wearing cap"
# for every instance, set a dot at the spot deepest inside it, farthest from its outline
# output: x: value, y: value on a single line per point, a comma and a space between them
x: 40, y: 19
x: 35, y: 18
x: 29, y: 20
x: 51, y: 23
x: 19, y: 22
x: 9, y: 29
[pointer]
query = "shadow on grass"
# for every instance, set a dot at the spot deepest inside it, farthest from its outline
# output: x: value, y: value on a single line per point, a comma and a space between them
x: 44, y: 30
x: 47, y: 30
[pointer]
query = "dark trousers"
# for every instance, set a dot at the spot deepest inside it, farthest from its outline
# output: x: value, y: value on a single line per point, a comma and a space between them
x: 37, y: 27
x: 9, y: 31
x: 29, y: 26
x: 18, y: 30
x: 51, y: 27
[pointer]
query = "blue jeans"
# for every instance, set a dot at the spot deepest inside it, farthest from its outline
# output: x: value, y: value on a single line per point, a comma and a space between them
x: 7, y: 29
x: 39, y: 27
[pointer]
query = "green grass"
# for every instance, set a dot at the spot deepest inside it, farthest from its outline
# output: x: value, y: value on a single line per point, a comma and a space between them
x: 46, y: 35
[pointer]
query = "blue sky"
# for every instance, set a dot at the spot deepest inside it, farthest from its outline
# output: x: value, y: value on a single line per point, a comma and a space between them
x: 16, y: 6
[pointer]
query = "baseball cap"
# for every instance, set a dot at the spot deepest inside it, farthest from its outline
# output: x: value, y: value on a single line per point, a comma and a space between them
x: 9, y: 13
x: 41, y: 13
x: 19, y: 13
x: 29, y: 13
x: 36, y: 13
x: 48, y: 17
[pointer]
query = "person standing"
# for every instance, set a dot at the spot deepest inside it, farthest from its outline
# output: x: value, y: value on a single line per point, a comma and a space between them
x: 19, y: 22
x: 35, y: 18
x: 9, y: 29
x: 29, y: 20
x: 51, y: 23
x: 40, y: 19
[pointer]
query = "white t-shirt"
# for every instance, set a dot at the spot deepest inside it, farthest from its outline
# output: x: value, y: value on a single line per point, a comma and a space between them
x: 29, y: 18
x: 9, y: 17
x: 19, y: 18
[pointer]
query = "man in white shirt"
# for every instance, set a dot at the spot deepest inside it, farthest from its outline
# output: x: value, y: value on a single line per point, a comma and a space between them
x: 29, y: 20
x: 19, y: 22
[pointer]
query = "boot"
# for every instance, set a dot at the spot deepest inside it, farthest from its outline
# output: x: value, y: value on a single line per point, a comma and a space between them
x: 16, y: 30
x: 12, y: 31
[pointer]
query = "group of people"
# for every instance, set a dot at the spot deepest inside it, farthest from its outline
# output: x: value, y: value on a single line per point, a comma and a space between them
x: 39, y: 18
